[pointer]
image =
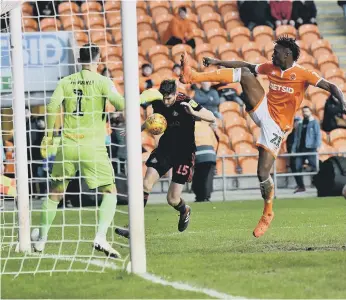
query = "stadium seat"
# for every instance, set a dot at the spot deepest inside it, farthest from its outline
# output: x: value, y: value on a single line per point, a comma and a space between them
x: 256, y: 59
x: 100, y: 37
x: 91, y: 7
x: 326, y: 62
x: 203, y: 50
x: 68, y: 8
x: 50, y: 24
x: 162, y: 22
x: 111, y: 53
x: 226, y: 48
x: 141, y: 8
x: 286, y: 30
x: 29, y: 25
x: 250, y: 49
x: 340, y: 145
x: 228, y: 166
x: 198, y: 35
x: 306, y: 102
x: 263, y: 35
x: 117, y: 36
x: 223, y: 140
x: 204, y: 7
x: 72, y: 23
x: 309, y: 33
x: 226, y: 7
x: 219, y: 124
x: 158, y: 52
x: 210, y: 20
x: 269, y: 50
x: 179, y: 49
x: 147, y: 39
x: 159, y: 8
x: 229, y: 106
x: 163, y: 64
x: 112, y: 6
x: 337, y: 134
x: 27, y: 9
x: 81, y: 37
x: 321, y: 47
x: 281, y: 165
x: 194, y: 20
x: 337, y: 76
x: 251, y: 124
x: 256, y: 132
x: 325, y: 136
x: 144, y: 22
x: 232, y: 20
x: 113, y: 19
x: 115, y: 67
x: 232, y: 119
x: 224, y: 150
x: 304, y: 47
x: 248, y: 165
x: 307, y: 61
x: 325, y: 148
x: 240, y: 36
x: 319, y: 103
x: 217, y: 36
x: 95, y: 21
x: 239, y: 135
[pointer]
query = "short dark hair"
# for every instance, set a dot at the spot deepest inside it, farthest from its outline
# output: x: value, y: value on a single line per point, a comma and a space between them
x: 306, y: 107
x: 88, y: 53
x: 289, y: 43
x: 168, y: 87
x: 176, y: 66
x: 183, y: 8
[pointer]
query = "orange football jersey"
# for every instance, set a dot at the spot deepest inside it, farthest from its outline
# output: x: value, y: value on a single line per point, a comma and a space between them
x: 286, y: 91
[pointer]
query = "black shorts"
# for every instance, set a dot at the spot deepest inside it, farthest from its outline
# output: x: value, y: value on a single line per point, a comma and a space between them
x: 182, y: 164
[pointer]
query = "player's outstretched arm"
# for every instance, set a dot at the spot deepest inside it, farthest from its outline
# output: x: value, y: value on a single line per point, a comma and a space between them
x: 203, y: 113
x: 207, y: 61
x: 113, y: 96
x: 149, y: 96
x: 333, y: 89
x: 53, y: 109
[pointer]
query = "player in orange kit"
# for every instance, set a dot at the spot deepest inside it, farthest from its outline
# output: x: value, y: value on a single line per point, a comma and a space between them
x: 274, y: 112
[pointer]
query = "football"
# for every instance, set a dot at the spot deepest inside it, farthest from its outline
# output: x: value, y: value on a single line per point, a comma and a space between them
x: 156, y: 124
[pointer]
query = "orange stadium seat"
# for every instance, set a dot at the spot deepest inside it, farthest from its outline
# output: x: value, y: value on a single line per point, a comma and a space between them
x: 324, y: 149
x: 50, y: 24
x: 144, y: 22
x: 256, y: 132
x: 321, y: 47
x: 263, y: 35
x: 239, y: 135
x: 325, y: 136
x: 225, y: 49
x: 281, y: 165
x: 111, y: 53
x: 232, y: 20
x: 306, y: 102
x: 113, y: 19
x: 81, y: 37
x: 68, y: 8
x: 304, y: 47
x: 163, y: 64
x: 288, y: 30
x: 251, y: 124
x: 204, y: 7
x: 223, y: 140
x: 240, y: 36
x: 250, y: 49
x: 203, y: 50
x: 115, y: 67
x: 337, y: 134
x: 27, y: 9
x: 159, y: 8
x: 249, y: 166
x: 217, y: 36
x: 224, y: 150
x: 307, y: 61
x: 313, y: 91
x: 229, y: 167
x: 336, y: 76
x: 158, y: 52
x: 91, y: 6
x: 326, y: 62
x: 210, y: 20
x: 198, y: 35
x: 117, y: 36
x: 179, y: 49
x: 141, y: 8
x: 100, y: 37
x: 29, y: 25
x: 319, y: 104
x: 232, y: 119
x: 229, y: 106
x: 340, y: 145
x: 162, y: 22
x: 309, y: 33
x: 194, y: 19
x: 95, y: 21
x: 112, y: 6
x: 225, y: 7
x: 72, y: 23
x: 147, y: 39
x: 268, y: 50
x: 219, y: 124
x: 257, y: 59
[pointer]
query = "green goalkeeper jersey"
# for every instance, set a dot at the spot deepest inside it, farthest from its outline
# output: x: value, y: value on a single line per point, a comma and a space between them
x: 83, y: 96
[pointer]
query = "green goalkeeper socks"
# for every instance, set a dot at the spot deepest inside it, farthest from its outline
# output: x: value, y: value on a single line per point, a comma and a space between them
x: 106, y: 213
x: 49, y: 208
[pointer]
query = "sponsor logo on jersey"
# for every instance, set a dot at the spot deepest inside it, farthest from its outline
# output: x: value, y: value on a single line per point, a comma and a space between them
x: 154, y: 160
x: 281, y: 88
x: 193, y: 103
x: 174, y: 113
x: 293, y: 76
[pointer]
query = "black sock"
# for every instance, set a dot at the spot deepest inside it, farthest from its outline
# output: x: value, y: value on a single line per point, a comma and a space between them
x: 181, y: 207
x: 145, y: 198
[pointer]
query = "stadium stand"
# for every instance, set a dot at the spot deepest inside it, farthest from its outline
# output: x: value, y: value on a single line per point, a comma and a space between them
x: 219, y: 32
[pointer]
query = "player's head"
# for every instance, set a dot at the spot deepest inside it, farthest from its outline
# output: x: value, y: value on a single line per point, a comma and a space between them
x: 306, y: 112
x: 182, y: 12
x: 168, y: 89
x: 286, y: 52
x: 89, y: 54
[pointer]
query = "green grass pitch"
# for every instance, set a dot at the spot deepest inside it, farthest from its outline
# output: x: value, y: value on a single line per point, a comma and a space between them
x: 301, y: 256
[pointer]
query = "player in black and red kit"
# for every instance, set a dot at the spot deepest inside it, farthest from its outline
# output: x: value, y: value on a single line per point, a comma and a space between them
x: 176, y: 147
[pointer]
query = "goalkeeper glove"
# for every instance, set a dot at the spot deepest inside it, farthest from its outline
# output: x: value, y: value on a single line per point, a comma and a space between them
x: 150, y: 95
x: 47, y: 146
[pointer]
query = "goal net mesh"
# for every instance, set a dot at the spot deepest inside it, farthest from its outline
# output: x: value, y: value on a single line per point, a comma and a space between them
x: 52, y: 37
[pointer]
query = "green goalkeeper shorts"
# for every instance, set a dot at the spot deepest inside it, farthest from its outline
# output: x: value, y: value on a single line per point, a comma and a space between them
x: 91, y: 161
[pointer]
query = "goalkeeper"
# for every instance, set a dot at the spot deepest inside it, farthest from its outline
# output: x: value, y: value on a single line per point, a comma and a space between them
x: 83, y: 97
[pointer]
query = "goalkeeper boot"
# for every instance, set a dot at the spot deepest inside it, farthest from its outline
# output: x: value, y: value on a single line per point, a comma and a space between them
x: 184, y: 219
x: 125, y: 232
x: 38, y: 243
x: 100, y: 244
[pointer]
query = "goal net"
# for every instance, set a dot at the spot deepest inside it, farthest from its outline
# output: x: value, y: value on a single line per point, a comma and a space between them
x: 52, y: 36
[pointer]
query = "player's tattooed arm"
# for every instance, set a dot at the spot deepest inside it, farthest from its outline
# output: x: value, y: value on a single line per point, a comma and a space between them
x: 334, y: 90
x: 207, y: 61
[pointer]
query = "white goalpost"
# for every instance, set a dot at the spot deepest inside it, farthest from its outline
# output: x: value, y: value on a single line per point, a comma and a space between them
x: 69, y: 245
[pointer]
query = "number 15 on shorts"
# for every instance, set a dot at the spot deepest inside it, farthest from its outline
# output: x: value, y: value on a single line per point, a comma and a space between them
x: 183, y: 170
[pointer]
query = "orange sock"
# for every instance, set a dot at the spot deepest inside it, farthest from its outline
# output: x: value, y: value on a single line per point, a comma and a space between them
x: 268, y: 207
x: 221, y: 75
